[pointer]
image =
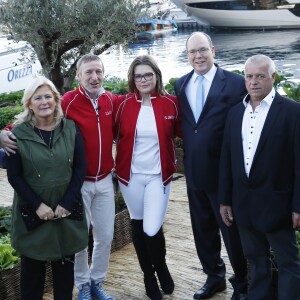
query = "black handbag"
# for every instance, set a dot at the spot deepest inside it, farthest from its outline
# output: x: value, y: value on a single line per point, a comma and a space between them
x: 32, y: 220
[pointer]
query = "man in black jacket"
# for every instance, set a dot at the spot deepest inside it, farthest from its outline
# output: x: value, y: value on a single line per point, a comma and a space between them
x: 259, y: 180
x: 219, y: 90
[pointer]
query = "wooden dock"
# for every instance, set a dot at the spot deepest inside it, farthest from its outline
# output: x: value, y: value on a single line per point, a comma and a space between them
x: 189, y: 25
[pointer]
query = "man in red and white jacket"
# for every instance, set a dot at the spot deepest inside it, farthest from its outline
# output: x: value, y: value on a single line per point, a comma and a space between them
x: 91, y: 107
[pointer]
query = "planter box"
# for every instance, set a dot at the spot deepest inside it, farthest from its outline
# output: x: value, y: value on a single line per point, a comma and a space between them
x: 122, y: 233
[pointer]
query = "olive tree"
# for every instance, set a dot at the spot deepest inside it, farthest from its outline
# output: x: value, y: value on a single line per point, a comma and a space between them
x: 60, y: 31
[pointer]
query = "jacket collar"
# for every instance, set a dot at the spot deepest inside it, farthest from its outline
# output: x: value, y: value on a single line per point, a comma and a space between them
x: 84, y: 92
x: 139, y: 98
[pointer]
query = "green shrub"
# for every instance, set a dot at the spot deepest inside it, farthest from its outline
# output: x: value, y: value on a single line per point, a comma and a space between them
x: 292, y: 90
x: 170, y: 86
x: 9, y: 257
x: 116, y: 85
x: 14, y: 97
x: 298, y: 241
x: 179, y: 142
x: 119, y: 201
x: 7, y: 115
x: 278, y: 79
x: 5, y: 220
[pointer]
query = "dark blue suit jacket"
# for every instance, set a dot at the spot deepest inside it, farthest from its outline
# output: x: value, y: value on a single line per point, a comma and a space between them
x: 266, y: 199
x: 203, y: 140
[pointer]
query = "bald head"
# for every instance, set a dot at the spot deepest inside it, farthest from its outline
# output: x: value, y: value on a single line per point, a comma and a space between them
x: 196, y: 34
x: 201, y: 52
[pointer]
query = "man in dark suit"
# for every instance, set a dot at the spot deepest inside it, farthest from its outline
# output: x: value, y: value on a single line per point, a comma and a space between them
x: 260, y: 180
x: 202, y: 139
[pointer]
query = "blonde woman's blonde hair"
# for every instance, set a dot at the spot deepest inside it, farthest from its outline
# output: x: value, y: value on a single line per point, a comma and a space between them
x: 27, y: 115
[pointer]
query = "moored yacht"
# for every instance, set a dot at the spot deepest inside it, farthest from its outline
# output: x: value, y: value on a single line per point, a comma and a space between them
x: 16, y: 65
x: 244, y: 14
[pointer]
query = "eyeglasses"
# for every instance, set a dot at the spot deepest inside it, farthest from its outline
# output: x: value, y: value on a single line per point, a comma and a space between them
x: 201, y: 51
x: 146, y: 76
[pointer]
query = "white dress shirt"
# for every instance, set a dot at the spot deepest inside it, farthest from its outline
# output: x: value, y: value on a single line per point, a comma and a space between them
x: 253, y: 123
x: 191, y: 87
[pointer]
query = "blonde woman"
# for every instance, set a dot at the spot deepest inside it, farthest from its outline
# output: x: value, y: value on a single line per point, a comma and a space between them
x: 46, y: 172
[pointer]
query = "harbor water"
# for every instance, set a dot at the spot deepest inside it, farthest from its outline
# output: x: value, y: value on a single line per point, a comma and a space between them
x: 232, y: 50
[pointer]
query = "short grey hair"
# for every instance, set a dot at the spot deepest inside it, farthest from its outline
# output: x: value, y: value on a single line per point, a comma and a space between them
x: 260, y: 59
x: 88, y: 58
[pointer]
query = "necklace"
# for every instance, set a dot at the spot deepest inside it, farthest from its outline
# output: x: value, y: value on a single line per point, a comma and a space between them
x: 50, y: 139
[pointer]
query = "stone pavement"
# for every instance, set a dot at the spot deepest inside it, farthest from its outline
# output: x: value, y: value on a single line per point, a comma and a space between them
x: 6, y: 191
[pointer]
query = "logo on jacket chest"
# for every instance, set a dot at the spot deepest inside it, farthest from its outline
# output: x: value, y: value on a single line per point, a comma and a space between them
x: 169, y: 117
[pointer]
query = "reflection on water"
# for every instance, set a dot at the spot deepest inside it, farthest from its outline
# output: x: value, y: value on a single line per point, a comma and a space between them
x: 232, y: 49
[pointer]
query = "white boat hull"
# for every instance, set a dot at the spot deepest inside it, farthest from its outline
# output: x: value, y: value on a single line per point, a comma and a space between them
x: 16, y: 70
x: 244, y: 19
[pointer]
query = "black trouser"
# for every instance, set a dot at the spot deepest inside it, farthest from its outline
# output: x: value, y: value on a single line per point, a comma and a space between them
x: 256, y: 246
x: 33, y: 274
x: 207, y: 223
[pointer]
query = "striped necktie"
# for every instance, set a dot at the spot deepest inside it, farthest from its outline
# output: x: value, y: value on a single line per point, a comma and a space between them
x: 199, y: 97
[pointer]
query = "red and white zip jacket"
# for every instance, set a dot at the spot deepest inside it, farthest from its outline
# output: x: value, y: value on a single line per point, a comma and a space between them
x: 168, y: 123
x: 96, y: 126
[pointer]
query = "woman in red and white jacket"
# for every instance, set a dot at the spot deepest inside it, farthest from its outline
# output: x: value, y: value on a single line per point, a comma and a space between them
x: 146, y: 123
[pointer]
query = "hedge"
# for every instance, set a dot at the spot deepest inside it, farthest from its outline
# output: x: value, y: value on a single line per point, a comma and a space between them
x: 7, y: 114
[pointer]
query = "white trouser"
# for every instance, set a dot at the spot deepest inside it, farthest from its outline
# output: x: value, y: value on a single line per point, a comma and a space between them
x: 99, y: 204
x: 146, y: 199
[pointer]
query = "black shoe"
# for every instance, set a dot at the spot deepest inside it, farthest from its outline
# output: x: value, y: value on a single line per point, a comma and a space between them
x: 152, y: 289
x: 210, y: 289
x: 165, y: 279
x: 156, y: 246
x: 240, y: 287
x: 239, y: 296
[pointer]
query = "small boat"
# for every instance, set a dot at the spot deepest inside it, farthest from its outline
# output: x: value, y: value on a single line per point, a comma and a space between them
x: 155, y: 27
x: 16, y: 65
x: 243, y: 14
